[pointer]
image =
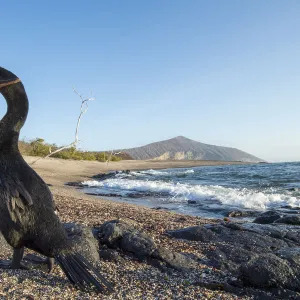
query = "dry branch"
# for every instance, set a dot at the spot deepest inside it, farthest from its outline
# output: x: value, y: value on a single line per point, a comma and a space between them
x: 83, y: 110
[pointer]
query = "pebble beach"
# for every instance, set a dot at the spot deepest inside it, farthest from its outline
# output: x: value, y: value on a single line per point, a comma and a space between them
x: 132, y: 279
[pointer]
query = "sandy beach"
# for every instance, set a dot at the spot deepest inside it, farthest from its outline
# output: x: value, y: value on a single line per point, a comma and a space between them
x: 58, y: 171
x: 132, y: 279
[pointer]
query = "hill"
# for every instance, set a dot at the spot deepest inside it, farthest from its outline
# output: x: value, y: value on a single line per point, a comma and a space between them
x: 182, y: 148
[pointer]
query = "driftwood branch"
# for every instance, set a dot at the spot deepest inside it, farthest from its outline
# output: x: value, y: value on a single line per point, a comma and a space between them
x: 83, y: 109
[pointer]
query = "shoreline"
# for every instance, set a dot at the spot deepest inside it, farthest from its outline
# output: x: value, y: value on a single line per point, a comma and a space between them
x: 57, y: 170
x: 133, y: 279
x: 186, y: 259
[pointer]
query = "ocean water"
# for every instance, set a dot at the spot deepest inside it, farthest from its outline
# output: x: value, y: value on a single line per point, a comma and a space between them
x: 211, y: 191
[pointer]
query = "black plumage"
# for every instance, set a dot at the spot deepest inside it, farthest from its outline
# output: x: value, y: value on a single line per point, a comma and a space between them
x: 27, y: 209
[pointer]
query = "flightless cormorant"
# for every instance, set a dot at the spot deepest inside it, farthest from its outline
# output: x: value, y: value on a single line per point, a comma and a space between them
x: 27, y: 209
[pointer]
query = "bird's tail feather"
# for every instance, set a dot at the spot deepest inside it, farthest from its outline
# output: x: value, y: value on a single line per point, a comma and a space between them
x: 81, y: 273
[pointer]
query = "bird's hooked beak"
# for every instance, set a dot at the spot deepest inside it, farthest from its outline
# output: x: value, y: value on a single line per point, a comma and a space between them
x: 7, y: 82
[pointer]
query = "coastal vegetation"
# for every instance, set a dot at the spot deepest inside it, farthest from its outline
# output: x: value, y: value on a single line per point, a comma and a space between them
x: 38, y: 147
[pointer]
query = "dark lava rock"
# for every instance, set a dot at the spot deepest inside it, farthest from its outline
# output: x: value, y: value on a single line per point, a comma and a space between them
x: 136, y: 195
x: 195, y: 233
x: 260, y: 255
x: 175, y: 260
x: 250, y: 238
x: 110, y: 255
x: 292, y: 255
x: 232, y: 225
x: 242, y: 214
x: 84, y: 241
x: 138, y: 243
x: 289, y: 219
x: 294, y: 189
x: 118, y: 234
x: 159, y: 208
x: 75, y: 184
x: 292, y: 211
x: 267, y: 271
x: 104, y: 195
x: 267, y: 217
x: 192, y: 202
x: 104, y: 176
x: 111, y: 232
x: 228, y: 257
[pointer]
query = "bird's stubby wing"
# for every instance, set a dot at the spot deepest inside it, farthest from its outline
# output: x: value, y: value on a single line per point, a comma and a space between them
x: 15, y: 198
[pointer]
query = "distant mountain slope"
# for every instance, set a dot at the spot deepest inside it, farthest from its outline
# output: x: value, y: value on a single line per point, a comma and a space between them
x: 180, y: 148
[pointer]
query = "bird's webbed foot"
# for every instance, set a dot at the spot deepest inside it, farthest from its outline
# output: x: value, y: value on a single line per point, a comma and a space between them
x: 15, y: 263
x: 5, y: 264
x: 9, y: 264
x: 37, y: 262
x: 29, y: 262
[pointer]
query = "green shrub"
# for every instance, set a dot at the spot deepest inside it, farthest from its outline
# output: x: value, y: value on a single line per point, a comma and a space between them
x: 101, y: 156
x: 38, y: 147
x: 116, y: 158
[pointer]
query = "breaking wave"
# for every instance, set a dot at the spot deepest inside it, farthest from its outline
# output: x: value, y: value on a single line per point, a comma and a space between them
x: 206, y: 191
x: 180, y: 192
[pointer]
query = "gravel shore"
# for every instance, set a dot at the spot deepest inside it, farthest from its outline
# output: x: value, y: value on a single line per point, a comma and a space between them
x: 132, y: 279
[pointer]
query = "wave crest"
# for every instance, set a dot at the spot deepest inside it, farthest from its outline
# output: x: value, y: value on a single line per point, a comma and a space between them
x: 182, y: 192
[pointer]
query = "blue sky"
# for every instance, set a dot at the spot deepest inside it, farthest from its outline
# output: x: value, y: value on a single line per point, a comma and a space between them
x: 220, y: 72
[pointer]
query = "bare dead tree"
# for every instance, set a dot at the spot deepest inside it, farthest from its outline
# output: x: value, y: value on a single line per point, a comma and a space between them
x: 83, y: 109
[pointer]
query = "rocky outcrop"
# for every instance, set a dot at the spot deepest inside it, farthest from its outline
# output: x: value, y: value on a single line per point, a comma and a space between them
x: 269, y: 217
x: 261, y: 259
x: 120, y: 235
x: 259, y: 255
x: 269, y: 271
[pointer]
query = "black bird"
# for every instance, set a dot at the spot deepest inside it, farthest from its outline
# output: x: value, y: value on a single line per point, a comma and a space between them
x: 27, y: 209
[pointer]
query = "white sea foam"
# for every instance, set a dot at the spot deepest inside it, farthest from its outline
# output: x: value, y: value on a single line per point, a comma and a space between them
x: 243, y: 198
x: 163, y: 173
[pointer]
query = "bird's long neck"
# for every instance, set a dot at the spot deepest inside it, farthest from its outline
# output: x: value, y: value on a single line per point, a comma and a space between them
x: 15, y: 117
